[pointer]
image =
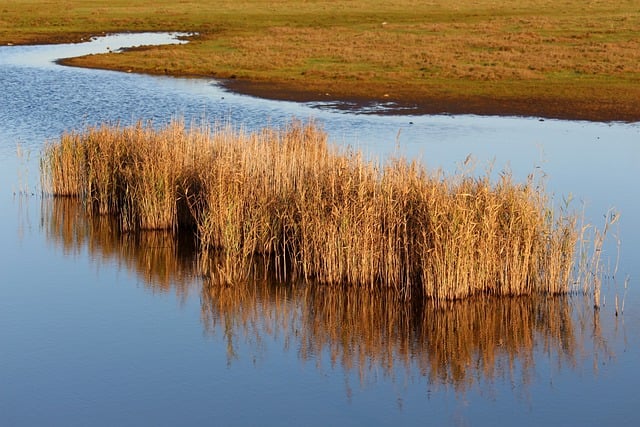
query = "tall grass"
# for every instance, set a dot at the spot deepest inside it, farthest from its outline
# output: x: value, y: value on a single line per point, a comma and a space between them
x: 307, y: 209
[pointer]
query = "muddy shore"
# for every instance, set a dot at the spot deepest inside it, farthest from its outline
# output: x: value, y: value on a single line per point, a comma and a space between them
x: 565, y: 109
x: 404, y: 101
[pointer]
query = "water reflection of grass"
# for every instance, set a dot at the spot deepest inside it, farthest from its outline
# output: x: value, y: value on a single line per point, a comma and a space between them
x: 312, y: 211
x: 458, y: 344
x: 159, y: 259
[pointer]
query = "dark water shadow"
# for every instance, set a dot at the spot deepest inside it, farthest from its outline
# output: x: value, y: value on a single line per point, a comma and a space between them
x: 452, y: 345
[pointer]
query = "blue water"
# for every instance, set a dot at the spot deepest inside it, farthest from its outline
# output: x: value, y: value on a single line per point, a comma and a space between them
x: 93, y: 333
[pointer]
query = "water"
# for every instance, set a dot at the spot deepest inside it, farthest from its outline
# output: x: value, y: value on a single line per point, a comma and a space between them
x: 97, y: 329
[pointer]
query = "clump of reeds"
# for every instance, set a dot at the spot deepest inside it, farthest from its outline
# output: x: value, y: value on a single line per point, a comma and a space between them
x: 311, y: 210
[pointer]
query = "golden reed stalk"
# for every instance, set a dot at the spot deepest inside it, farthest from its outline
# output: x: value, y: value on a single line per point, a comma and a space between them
x: 308, y: 209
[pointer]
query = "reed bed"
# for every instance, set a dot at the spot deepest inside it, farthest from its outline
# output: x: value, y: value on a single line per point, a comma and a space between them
x: 307, y: 209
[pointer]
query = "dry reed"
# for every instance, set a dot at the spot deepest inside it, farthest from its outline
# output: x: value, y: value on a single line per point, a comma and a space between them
x: 307, y: 209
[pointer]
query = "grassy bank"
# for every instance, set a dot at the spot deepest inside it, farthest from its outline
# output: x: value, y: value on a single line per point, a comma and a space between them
x: 573, y: 59
x: 287, y: 202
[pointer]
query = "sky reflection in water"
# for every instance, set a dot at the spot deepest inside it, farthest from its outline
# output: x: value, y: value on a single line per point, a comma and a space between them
x: 103, y: 329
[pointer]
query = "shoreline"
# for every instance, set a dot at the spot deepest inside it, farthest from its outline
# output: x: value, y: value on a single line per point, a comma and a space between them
x: 409, y: 105
x: 559, y: 109
x: 400, y: 102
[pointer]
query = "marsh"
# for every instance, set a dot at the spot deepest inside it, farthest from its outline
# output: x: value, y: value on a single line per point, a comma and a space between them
x: 101, y: 329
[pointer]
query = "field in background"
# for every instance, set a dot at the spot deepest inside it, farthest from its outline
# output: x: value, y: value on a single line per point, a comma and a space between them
x: 575, y: 59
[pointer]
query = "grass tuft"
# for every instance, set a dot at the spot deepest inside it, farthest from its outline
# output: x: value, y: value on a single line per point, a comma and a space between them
x: 299, y: 207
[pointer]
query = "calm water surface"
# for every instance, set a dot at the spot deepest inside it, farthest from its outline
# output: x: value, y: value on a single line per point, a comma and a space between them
x: 101, y: 329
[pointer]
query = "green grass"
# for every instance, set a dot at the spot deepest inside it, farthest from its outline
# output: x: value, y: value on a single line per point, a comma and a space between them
x: 503, y: 57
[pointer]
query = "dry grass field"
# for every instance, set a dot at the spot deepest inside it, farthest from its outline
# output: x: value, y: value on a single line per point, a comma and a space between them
x: 573, y: 59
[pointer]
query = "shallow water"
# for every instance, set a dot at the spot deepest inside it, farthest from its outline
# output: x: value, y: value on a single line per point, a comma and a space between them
x: 98, y: 329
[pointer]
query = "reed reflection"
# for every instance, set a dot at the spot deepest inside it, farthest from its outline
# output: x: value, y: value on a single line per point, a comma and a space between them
x: 372, y: 334
x: 161, y: 261
x: 454, y: 344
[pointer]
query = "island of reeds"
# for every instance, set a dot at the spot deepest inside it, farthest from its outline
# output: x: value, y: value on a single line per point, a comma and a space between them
x: 291, y: 203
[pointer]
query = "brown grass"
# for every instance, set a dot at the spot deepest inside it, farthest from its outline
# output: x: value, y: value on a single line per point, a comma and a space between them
x: 306, y: 209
